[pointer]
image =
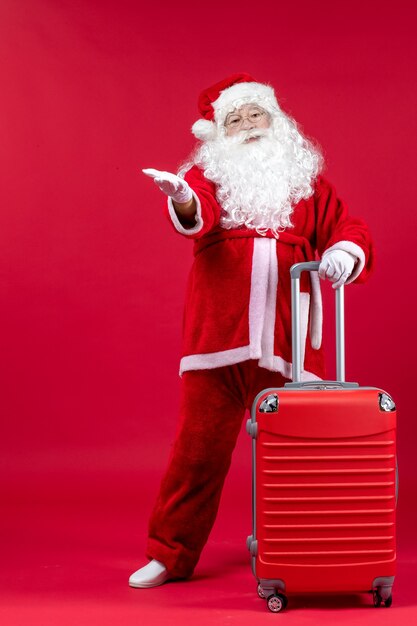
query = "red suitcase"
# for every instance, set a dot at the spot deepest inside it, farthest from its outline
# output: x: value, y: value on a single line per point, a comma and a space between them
x: 324, y: 482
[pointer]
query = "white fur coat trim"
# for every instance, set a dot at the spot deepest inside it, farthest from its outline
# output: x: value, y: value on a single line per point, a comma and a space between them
x: 175, y: 219
x: 262, y: 311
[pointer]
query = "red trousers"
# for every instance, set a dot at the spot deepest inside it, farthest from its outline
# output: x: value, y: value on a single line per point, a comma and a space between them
x: 213, y: 405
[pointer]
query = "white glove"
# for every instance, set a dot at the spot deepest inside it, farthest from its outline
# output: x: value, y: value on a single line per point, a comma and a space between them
x: 174, y: 186
x: 337, y: 266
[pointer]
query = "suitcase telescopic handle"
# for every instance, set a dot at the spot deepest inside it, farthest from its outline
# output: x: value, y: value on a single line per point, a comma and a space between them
x: 296, y: 270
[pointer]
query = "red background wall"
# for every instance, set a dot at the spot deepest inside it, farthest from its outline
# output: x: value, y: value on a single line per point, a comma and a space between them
x: 92, y: 277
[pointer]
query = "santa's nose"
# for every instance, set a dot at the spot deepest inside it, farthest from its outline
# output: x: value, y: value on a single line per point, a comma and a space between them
x: 247, y: 124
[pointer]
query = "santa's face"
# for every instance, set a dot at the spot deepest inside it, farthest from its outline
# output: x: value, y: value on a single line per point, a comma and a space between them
x: 261, y: 166
x: 247, y: 117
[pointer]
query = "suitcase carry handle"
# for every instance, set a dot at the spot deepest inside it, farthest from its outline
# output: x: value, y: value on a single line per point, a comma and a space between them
x: 313, y: 266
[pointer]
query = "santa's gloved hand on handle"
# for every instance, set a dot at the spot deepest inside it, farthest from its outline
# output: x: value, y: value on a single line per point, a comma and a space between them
x: 172, y: 185
x: 337, y: 266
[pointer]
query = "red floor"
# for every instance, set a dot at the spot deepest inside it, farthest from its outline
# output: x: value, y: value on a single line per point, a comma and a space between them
x: 67, y: 558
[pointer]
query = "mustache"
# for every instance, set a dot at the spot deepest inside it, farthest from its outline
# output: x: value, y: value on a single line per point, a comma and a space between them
x: 244, y: 135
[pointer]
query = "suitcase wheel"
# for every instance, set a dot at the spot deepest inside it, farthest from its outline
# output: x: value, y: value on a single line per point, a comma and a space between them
x: 276, y: 602
x: 261, y: 593
x: 388, y: 601
x: 378, y: 599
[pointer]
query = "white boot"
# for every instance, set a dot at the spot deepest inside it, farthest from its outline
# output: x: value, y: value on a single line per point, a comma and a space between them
x: 152, y: 575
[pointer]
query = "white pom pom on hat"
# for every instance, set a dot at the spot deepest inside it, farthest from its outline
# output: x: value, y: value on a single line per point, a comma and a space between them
x: 216, y: 102
x: 204, y: 130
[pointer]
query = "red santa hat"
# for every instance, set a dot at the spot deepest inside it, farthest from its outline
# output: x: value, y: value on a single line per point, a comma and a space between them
x: 216, y: 102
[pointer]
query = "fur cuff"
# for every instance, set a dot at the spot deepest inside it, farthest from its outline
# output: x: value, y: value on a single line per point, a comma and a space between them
x: 177, y: 223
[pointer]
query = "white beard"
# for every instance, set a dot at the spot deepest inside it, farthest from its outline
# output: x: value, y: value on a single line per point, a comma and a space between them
x: 260, y: 182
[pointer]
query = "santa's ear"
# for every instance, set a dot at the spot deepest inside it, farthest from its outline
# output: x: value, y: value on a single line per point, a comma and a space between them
x: 204, y: 130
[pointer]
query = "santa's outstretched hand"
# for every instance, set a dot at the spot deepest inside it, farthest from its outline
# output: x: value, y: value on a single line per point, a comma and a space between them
x: 172, y: 185
x: 337, y: 266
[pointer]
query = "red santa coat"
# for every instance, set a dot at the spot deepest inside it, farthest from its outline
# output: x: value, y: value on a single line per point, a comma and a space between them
x: 238, y: 302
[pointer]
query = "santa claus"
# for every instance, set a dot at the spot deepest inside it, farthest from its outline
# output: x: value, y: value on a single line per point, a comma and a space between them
x: 253, y: 199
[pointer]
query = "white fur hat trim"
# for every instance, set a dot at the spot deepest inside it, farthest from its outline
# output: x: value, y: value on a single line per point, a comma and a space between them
x: 241, y: 93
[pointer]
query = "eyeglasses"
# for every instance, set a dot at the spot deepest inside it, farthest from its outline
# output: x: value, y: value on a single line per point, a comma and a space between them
x: 235, y: 121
